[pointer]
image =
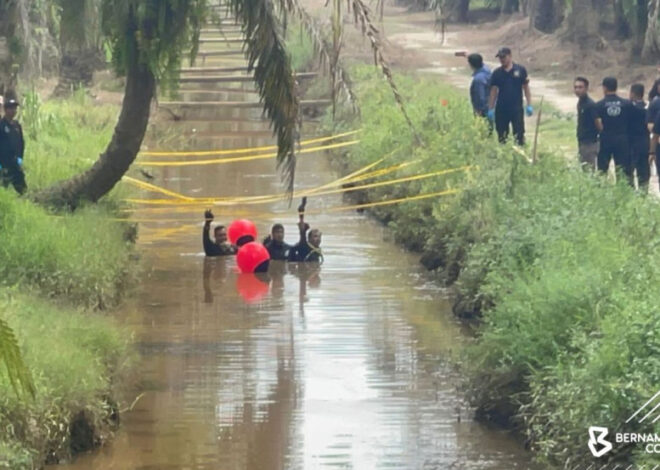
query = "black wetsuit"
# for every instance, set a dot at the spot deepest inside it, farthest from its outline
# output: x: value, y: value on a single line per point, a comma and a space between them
x: 213, y: 249
x: 639, y: 142
x: 277, y: 250
x: 303, y: 251
x: 614, y: 113
x: 12, y: 147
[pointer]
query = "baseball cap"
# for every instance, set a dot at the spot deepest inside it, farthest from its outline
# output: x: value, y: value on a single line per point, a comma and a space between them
x: 11, y: 103
x: 504, y: 51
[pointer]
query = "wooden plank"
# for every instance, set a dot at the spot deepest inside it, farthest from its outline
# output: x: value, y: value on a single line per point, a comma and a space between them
x: 220, y: 53
x: 215, y: 40
x: 233, y: 104
x: 235, y: 78
x: 213, y: 69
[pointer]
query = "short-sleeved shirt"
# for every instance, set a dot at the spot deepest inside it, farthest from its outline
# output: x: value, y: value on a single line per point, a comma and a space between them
x: 509, y: 84
x: 586, y: 126
x: 614, y: 113
x: 656, y: 126
x: 653, y: 110
x: 637, y: 122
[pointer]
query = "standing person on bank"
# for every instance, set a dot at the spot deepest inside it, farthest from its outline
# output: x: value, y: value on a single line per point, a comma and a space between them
x: 12, y: 148
x: 639, y: 138
x: 613, y: 117
x: 480, y: 86
x: 587, y: 134
x: 505, y: 106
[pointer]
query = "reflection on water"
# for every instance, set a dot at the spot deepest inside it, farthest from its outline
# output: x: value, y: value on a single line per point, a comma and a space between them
x: 344, y: 365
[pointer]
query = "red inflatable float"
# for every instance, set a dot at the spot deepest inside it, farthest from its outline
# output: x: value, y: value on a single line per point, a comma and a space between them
x: 241, y: 231
x: 251, y: 288
x: 253, y: 257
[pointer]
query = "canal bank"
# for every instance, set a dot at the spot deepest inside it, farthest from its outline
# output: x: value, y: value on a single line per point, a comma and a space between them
x: 348, y: 364
x: 556, y: 266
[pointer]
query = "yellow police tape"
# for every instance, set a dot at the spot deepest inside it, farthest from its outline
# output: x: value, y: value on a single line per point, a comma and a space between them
x: 202, y: 153
x: 278, y: 197
x: 153, y: 187
x: 337, y: 182
x: 242, y: 159
x: 318, y: 211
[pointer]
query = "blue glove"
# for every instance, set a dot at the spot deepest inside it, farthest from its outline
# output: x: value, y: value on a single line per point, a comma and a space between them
x: 19, y: 160
x: 491, y: 114
x: 529, y: 110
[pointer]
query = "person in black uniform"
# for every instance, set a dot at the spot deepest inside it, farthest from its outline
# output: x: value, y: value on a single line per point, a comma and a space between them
x: 12, y: 148
x: 652, y: 112
x: 308, y: 247
x: 639, y: 137
x: 221, y: 247
x: 587, y: 134
x: 612, y: 121
x: 275, y: 244
x: 505, y: 104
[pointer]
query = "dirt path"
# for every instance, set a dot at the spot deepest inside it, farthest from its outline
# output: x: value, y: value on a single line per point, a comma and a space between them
x: 416, y: 44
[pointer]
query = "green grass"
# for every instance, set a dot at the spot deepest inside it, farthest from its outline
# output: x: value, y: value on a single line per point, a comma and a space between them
x: 75, y: 359
x: 558, y: 266
x: 56, y: 270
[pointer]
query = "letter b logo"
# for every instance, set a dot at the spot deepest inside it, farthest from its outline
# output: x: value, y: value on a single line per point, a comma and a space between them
x: 597, y: 437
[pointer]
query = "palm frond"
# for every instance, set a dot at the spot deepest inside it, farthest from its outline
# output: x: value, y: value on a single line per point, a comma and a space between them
x: 271, y: 67
x: 10, y: 355
x: 362, y: 17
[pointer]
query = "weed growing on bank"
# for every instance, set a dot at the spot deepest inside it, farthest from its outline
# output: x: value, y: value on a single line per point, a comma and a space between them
x: 558, y: 266
x: 75, y: 359
x: 52, y: 266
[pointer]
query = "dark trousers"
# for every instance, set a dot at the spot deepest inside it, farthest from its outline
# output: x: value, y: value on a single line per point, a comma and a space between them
x: 510, y: 117
x: 13, y: 174
x: 617, y: 147
x: 639, y: 159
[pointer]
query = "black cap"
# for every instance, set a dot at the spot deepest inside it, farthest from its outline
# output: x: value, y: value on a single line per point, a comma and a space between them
x: 11, y: 103
x: 504, y: 51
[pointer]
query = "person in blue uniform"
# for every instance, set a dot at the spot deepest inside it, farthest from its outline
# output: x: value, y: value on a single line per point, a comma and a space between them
x: 613, y: 123
x: 12, y: 148
x: 639, y: 137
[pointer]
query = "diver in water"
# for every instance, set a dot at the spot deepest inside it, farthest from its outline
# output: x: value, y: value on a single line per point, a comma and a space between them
x: 309, y: 246
x: 221, y: 247
x: 275, y: 244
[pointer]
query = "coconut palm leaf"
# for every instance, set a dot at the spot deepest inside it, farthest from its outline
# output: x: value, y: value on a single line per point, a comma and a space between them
x: 271, y: 66
x: 10, y: 355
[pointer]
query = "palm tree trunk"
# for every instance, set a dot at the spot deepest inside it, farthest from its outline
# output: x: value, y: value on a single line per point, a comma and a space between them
x: 121, y: 151
x: 651, y: 47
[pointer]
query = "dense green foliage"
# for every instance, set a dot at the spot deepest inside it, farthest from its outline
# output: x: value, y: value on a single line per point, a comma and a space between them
x: 558, y: 265
x: 61, y: 254
x: 51, y: 267
x: 74, y: 358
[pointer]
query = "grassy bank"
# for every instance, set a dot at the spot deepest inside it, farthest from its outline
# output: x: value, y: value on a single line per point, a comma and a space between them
x: 557, y: 266
x: 57, y: 272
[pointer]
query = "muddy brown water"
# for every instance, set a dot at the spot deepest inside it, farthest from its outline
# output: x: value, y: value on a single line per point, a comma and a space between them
x: 344, y: 365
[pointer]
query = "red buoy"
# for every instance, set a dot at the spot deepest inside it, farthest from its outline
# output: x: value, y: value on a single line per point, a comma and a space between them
x: 242, y: 231
x: 251, y: 287
x: 252, y: 257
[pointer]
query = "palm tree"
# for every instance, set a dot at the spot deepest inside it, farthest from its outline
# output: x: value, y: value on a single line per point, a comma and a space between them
x: 148, y: 40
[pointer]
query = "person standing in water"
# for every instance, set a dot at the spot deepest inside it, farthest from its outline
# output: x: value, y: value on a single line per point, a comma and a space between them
x: 219, y: 247
x: 308, y: 247
x: 275, y: 244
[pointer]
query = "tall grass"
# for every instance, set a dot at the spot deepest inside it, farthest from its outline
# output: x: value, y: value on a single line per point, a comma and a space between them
x: 53, y: 267
x: 75, y: 359
x: 558, y: 266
